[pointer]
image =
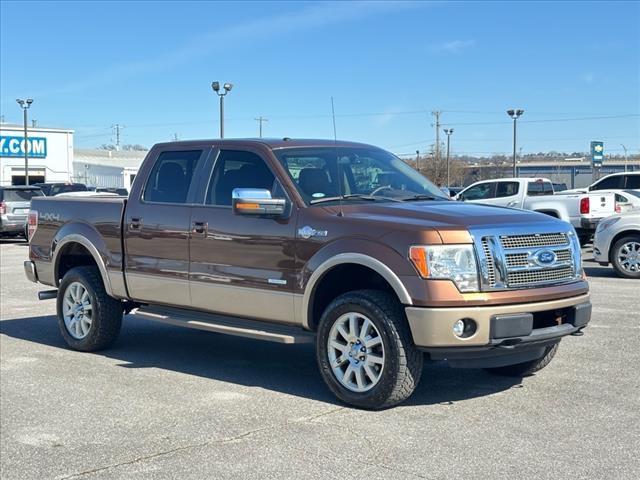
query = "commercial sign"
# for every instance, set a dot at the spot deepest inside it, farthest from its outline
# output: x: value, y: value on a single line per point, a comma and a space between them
x: 597, y: 154
x: 14, y: 147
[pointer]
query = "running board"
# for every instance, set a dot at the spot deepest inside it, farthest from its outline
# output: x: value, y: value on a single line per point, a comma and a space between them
x: 223, y: 324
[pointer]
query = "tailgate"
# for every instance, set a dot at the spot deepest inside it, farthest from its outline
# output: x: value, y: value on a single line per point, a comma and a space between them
x: 601, y: 205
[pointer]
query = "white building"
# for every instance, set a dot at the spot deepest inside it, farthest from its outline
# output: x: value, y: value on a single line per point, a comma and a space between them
x: 50, y: 154
x: 106, y: 168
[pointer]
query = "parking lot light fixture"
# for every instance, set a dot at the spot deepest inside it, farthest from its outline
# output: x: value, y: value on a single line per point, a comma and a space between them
x: 25, y: 104
x: 448, y: 131
x: 514, y: 113
x: 226, y: 88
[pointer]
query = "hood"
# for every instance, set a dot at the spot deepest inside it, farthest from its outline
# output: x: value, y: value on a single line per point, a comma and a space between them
x: 444, y: 215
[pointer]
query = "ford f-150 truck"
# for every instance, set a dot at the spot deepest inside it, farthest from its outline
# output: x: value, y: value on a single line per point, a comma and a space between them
x: 336, y: 243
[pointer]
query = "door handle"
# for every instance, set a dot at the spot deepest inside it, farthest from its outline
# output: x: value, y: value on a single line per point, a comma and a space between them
x: 135, y: 223
x: 200, y: 227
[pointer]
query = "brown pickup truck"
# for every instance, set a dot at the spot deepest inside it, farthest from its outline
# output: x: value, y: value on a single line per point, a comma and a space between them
x: 337, y: 243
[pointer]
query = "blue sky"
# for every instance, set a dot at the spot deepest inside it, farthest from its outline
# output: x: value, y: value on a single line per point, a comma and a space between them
x: 149, y: 65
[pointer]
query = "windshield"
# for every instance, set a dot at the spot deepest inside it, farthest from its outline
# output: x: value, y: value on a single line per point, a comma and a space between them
x: 21, y: 195
x: 326, y: 173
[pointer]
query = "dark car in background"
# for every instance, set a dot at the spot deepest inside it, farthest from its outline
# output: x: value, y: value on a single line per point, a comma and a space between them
x: 15, y: 201
x: 51, y: 189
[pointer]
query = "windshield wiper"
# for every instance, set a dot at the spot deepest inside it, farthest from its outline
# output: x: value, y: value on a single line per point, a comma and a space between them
x: 359, y: 196
x: 422, y: 197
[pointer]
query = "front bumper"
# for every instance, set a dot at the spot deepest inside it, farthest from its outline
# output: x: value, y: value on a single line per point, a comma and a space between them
x: 498, y: 326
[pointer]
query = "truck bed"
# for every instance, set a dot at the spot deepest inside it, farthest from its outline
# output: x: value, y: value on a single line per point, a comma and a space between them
x: 99, y: 219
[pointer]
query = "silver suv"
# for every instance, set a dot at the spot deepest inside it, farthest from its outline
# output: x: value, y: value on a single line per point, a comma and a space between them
x: 15, y: 202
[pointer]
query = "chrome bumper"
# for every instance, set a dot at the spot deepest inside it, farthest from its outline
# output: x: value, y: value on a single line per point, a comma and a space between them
x: 30, y: 271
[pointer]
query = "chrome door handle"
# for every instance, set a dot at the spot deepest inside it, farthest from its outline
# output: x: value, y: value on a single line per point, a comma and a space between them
x: 135, y: 223
x: 200, y: 227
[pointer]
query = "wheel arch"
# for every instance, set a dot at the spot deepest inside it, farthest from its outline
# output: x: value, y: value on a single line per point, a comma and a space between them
x: 323, y: 272
x: 618, y: 236
x: 66, y: 245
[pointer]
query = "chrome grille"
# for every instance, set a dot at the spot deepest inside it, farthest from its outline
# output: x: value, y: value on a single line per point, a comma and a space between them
x: 491, y: 272
x: 513, y: 261
x: 532, y: 277
x: 534, y: 240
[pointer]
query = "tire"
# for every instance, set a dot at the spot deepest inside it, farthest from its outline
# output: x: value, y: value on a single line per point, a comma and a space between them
x: 584, y: 239
x: 527, y: 368
x: 104, y: 316
x: 399, y: 371
x: 622, y: 248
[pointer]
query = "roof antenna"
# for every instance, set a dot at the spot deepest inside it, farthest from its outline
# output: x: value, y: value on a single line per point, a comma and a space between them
x: 335, y: 146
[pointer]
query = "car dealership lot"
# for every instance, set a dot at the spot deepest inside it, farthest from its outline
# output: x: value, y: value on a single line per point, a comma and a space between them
x: 166, y: 402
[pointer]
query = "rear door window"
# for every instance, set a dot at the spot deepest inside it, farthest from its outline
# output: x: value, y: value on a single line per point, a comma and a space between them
x: 539, y: 188
x: 172, y: 176
x: 21, y: 195
x: 633, y: 182
x: 507, y: 189
x: 610, y: 183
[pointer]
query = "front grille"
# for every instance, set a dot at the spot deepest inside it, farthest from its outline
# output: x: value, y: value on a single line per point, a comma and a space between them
x: 522, y: 259
x: 491, y: 271
x: 531, y: 277
x: 511, y: 261
x: 534, y: 240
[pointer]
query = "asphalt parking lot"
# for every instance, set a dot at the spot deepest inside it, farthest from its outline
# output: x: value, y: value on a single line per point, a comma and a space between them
x: 166, y: 402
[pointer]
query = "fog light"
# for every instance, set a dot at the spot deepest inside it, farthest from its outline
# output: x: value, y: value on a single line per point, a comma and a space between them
x: 464, y: 328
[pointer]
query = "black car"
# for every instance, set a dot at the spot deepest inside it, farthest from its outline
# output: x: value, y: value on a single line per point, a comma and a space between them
x: 50, y: 189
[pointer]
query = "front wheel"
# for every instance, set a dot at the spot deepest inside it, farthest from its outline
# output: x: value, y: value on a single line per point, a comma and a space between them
x: 625, y: 256
x: 527, y: 368
x: 88, y: 318
x: 365, y: 351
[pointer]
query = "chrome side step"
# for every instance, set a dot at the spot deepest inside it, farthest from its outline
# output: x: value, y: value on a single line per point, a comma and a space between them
x: 223, y: 324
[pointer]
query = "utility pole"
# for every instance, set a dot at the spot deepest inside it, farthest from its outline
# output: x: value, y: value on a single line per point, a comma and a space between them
x: 33, y: 123
x: 175, y: 137
x: 625, y: 157
x: 116, y: 128
x: 24, y: 105
x: 260, y: 120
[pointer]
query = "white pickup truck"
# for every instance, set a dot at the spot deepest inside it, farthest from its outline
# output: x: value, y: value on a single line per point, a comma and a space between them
x: 583, y: 210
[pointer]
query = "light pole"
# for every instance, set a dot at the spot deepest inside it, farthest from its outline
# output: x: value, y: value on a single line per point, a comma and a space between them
x: 514, y: 113
x: 25, y: 104
x: 448, y: 131
x: 625, y: 156
x: 226, y: 88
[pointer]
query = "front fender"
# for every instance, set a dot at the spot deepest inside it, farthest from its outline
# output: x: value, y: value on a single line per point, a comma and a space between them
x: 385, y: 261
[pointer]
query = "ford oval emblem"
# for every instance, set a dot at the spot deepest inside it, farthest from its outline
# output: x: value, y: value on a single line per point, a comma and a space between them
x: 545, y: 258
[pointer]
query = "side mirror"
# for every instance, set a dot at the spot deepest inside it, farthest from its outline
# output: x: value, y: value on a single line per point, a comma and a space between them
x: 257, y: 201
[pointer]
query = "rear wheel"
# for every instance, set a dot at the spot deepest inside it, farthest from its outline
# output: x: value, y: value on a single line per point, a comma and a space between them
x: 527, y: 368
x: 365, y: 351
x: 625, y: 256
x: 88, y: 318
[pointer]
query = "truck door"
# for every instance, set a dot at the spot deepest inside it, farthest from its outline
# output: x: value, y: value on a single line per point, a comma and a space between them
x: 157, y: 227
x: 242, y: 265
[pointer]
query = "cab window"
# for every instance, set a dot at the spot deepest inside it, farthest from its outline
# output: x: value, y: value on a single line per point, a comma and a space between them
x: 480, y: 192
x: 239, y: 169
x: 507, y: 189
x: 171, y: 177
x: 539, y: 188
x: 610, y: 183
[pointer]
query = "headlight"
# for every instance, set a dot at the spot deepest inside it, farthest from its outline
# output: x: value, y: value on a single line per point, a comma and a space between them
x: 603, y: 225
x: 450, y: 262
